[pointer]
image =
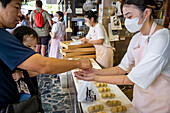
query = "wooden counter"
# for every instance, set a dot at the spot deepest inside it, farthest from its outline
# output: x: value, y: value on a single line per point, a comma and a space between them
x: 114, y: 89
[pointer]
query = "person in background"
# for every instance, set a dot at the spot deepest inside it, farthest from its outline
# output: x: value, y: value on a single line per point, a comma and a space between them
x: 29, y: 38
x: 24, y: 22
x: 98, y: 37
x: 14, y: 54
x: 27, y: 16
x: 43, y: 32
x: 49, y: 38
x: 57, y: 35
x: 147, y: 60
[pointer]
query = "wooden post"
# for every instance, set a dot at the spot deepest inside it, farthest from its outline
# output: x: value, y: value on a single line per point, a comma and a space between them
x: 167, y: 14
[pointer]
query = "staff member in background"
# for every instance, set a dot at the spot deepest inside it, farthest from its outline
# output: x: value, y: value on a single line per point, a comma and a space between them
x: 147, y: 60
x: 13, y: 54
x: 57, y: 35
x: 98, y: 37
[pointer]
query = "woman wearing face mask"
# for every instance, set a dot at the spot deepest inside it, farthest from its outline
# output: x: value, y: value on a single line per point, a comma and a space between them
x: 57, y: 35
x: 146, y: 61
x: 98, y: 37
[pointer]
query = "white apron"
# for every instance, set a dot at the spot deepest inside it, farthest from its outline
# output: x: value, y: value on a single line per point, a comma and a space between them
x: 156, y: 98
x: 55, y: 46
x: 104, y: 55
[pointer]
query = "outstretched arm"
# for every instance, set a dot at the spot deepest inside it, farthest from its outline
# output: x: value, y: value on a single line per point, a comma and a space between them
x: 44, y: 65
x: 110, y: 71
x: 97, y: 42
x: 112, y: 79
x: 104, y: 72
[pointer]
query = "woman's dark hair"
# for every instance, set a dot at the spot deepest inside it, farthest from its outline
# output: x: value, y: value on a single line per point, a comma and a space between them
x: 39, y: 3
x: 90, y: 14
x: 142, y: 4
x: 6, y: 2
x: 21, y: 31
x: 60, y: 15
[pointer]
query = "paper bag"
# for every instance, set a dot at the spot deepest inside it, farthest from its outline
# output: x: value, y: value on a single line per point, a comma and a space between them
x: 87, y: 92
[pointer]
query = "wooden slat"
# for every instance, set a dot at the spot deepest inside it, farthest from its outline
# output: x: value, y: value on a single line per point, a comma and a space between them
x: 83, y: 56
x: 77, y: 54
x: 79, y: 50
x: 86, y: 56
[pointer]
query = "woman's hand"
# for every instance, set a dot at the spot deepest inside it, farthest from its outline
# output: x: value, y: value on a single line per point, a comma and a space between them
x: 17, y: 75
x: 86, y: 77
x: 53, y: 35
x: 84, y: 40
x: 50, y: 42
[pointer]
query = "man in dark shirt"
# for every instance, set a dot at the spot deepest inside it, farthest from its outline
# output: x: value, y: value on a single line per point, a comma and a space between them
x: 13, y: 54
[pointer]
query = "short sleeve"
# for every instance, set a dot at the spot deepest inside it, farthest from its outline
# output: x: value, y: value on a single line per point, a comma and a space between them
x: 55, y: 28
x: 47, y: 16
x: 128, y: 61
x: 31, y: 17
x: 89, y: 33
x: 99, y: 30
x: 12, y: 51
x: 153, y: 63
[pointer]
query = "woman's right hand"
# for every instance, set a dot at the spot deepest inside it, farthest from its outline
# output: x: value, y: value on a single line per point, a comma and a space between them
x: 84, y: 40
x: 50, y: 42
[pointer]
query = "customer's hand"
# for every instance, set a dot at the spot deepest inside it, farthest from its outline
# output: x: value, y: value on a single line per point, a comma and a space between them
x: 85, y: 64
x: 17, y: 75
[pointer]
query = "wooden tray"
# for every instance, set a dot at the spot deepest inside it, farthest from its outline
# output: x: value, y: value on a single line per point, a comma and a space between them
x: 66, y: 45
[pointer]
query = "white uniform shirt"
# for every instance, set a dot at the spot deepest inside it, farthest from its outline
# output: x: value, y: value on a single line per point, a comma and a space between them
x: 100, y: 33
x: 155, y: 62
x: 59, y: 29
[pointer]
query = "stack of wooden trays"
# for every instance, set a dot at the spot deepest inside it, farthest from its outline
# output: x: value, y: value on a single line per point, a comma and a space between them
x: 77, y: 51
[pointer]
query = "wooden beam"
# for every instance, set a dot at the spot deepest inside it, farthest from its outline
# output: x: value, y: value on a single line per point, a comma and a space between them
x: 167, y: 14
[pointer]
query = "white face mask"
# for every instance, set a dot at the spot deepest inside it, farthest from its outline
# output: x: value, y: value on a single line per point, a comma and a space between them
x: 87, y: 24
x: 55, y: 19
x: 132, y: 24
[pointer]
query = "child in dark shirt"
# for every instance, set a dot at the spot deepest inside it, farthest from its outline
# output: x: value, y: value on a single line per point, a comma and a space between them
x: 29, y: 38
